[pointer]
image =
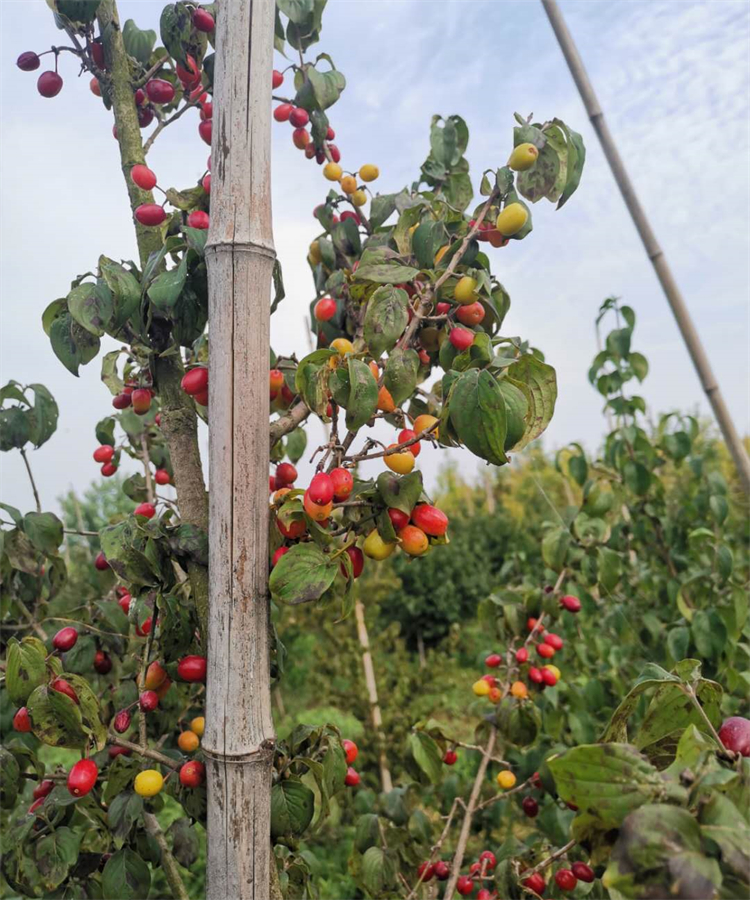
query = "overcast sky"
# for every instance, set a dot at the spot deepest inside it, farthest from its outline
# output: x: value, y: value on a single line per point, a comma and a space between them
x: 673, y: 79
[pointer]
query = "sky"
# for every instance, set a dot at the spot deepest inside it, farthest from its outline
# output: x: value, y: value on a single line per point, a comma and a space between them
x: 672, y: 77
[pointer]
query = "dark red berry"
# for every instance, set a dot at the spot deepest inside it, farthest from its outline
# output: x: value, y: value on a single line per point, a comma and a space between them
x: 565, y: 880
x: 28, y: 61
x: 583, y: 872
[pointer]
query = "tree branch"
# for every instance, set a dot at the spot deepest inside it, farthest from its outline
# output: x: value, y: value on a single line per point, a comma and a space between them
x: 289, y: 421
x: 31, y: 479
x: 168, y: 862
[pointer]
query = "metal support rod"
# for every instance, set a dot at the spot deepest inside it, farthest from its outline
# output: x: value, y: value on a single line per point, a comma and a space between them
x: 653, y: 250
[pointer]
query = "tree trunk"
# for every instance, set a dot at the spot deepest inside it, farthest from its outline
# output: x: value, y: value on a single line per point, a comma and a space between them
x: 372, y: 693
x: 239, y: 737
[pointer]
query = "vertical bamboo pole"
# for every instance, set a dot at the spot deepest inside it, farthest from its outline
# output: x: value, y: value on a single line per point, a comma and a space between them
x: 239, y: 255
x: 655, y: 253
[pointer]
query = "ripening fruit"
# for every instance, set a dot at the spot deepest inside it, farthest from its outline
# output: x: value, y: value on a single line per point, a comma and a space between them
x: 206, y: 183
x: 425, y: 872
x: 22, y: 720
x: 65, y: 639
x: 493, y: 660
x: 450, y: 757
x: 121, y: 401
x: 464, y: 885
x: 546, y: 651
x: 375, y: 547
x: 358, y: 198
x: 385, y: 400
x: 489, y: 859
x: 358, y: 561
x: 495, y: 695
x: 188, y: 741
x: 407, y: 435
x: 325, y: 309
x: 282, y: 113
x: 148, y: 783
x: 198, y: 725
x: 28, y: 61
x: 192, y: 774
x: 342, y: 346
x: 205, y: 130
x: 148, y: 701
x: 122, y: 721
x: 286, y: 473
x: 100, y: 563
x: 145, y: 510
x: 317, y: 512
x: 281, y: 551
x: 481, y: 688
x: 195, y: 381
x: 572, y: 604
x: 295, y: 529
x: 425, y: 422
x: 506, y: 779
x: 321, y: 489
x: 162, y: 476
x: 351, y: 750
x: 332, y: 171
x: 198, y: 219
x: 104, y: 453
x: 565, y: 880
x: 102, y: 663
x: 150, y: 214
x: 414, y: 541
x: 461, y: 338
x: 442, y: 870
x: 155, y: 675
x: 275, y: 381
x: 523, y: 157
x: 44, y: 788
x: 535, y: 675
x: 519, y: 690
x: 535, y: 883
x: 299, y: 117
x: 49, y: 84
x: 369, y: 172
x: 343, y: 483
x: 399, y: 519
x: 430, y: 519
x: 402, y: 462
x: 351, y: 779
x: 465, y: 291
x: 143, y: 177
x: 277, y: 79
x: 203, y: 20
x: 530, y: 807
x: 734, y: 734
x: 470, y: 315
x: 82, y: 777
x: 160, y: 91
x: 553, y: 669
x: 141, y: 400
x: 348, y: 184
x: 522, y: 655
x: 300, y: 138
x: 512, y: 219
x: 192, y: 668
x: 554, y: 640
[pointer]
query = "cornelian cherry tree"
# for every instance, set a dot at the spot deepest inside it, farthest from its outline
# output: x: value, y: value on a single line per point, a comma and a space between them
x: 408, y: 319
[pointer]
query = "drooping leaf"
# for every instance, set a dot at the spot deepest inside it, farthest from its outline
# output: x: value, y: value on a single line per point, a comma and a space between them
x: 292, y: 807
x: 126, y: 876
x: 362, y: 399
x: 385, y: 319
x: 302, y: 575
x: 477, y: 413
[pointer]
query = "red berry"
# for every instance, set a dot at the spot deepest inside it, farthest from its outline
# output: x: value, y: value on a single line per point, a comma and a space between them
x: 343, y: 483
x: 335, y: 153
x: 204, y: 130
x: 202, y: 398
x: 450, y: 757
x: 28, y: 61
x: 139, y: 97
x: 330, y: 134
x: 470, y: 314
x: 160, y: 91
x: 203, y: 20
x: 49, y: 84
x: 143, y: 177
x: 321, y: 489
x: 424, y: 358
x: 549, y: 677
x: 162, y: 476
x: 150, y: 214
x: 535, y: 883
x: 122, y: 721
x: 145, y: 628
x: 351, y: 779
x: 192, y: 668
x: 426, y: 871
x: 82, y: 777
x: 64, y: 687
x: 491, y: 860
x: 102, y: 662
x: 325, y: 309
x: 101, y: 563
x: 400, y: 519
x: 464, y: 885
x: 299, y: 117
x: 115, y: 750
x: 121, y: 401
x: 546, y: 651
x: 195, y: 381
x: 565, y: 880
x: 442, y: 308
x: 554, y: 640
x: 65, y: 639
x: 583, y: 872
x: 104, y: 453
x: 148, y: 701
x: 522, y: 655
x: 461, y: 338
x: 277, y: 79
x: 206, y: 183
x: 572, y: 604
x: 530, y: 807
x: 286, y: 473
x: 493, y: 660
x: 351, y: 750
x: 141, y: 400
x: 147, y: 510
x: 484, y: 894
x: 43, y: 789
x: 192, y: 774
x: 430, y: 519
x: 96, y: 88
x: 442, y: 870
x: 108, y: 469
x: 531, y: 624
x: 22, y: 720
x: 535, y: 675
x: 198, y: 219
x: 283, y: 112
x: 358, y: 561
x: 350, y: 214
x: 97, y: 54
x: 734, y: 734
x: 145, y: 116
x: 407, y: 434
x: 278, y: 554
x: 190, y: 77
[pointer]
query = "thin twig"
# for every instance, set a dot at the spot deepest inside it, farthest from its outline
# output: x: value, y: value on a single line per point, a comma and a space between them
x: 545, y: 863
x: 31, y: 479
x: 163, y: 124
x: 145, y: 751
x: 147, y: 468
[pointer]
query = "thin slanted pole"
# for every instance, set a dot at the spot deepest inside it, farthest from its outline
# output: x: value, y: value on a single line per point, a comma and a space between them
x: 654, y: 251
x: 239, y: 737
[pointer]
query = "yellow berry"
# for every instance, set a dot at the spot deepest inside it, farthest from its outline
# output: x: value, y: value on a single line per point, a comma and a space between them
x: 359, y: 198
x: 188, y: 741
x: 369, y: 172
x: 199, y: 723
x: 342, y: 346
x: 314, y: 254
x: 401, y: 463
x: 519, y: 690
x: 348, y: 184
x: 555, y: 671
x: 375, y: 547
x: 423, y: 422
x: 523, y: 157
x: 481, y: 688
x: 512, y: 219
x: 465, y: 290
x: 506, y: 779
x: 332, y: 171
x: 148, y: 783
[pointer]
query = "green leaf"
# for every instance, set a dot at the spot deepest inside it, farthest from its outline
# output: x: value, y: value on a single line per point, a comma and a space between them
x: 326, y: 86
x: 44, y: 530
x: 138, y: 44
x: 639, y: 365
x: 555, y: 546
x: 179, y: 36
x: 540, y: 382
x: 538, y: 181
x: 401, y: 374
x: 477, y: 413
x: 166, y: 288
x: 185, y: 842
x: 399, y: 491
x: 10, y: 779
x: 292, y: 807
x: 576, y: 157
x: 109, y: 372
x: 55, y: 854
x: 609, y: 568
x: 72, y: 344
x: 79, y: 11
x: 303, y: 574
x: 427, y: 755
x: 426, y: 241
x: 15, y: 428
x: 386, y: 318
x: 126, y: 876
x: 125, y: 290
x: 385, y: 273
x: 296, y: 10
x: 458, y: 190
x: 278, y: 286
x: 382, y: 207
x: 124, y: 810
x: 91, y: 307
x: 25, y: 668
x: 124, y: 545
x: 606, y: 781
x: 295, y: 444
x: 362, y: 400
x: 55, y: 718
x: 379, y: 871
x: 709, y: 633
x: 367, y: 832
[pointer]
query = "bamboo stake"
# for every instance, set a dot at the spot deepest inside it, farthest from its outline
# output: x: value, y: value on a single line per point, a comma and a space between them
x: 239, y: 737
x: 372, y: 693
x: 653, y: 250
